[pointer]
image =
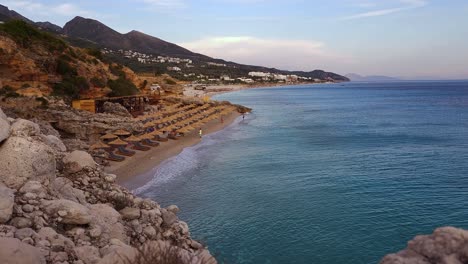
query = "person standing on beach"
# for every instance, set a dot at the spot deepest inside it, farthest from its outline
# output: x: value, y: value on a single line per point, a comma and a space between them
x: 200, y: 132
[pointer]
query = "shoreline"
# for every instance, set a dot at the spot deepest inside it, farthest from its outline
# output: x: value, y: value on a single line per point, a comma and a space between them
x: 133, y: 172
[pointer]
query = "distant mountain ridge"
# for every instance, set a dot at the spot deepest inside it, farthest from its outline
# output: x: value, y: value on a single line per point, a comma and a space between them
x: 85, y: 32
x: 101, y: 34
x: 373, y: 78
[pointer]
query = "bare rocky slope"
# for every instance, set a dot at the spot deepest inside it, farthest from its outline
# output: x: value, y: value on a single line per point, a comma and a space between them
x: 60, y: 207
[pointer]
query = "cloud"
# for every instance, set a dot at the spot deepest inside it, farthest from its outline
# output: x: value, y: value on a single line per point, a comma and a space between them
x: 405, y: 5
x: 283, y: 54
x: 166, y: 4
x: 27, y: 6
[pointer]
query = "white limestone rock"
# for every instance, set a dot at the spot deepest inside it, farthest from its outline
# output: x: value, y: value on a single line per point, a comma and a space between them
x: 24, y: 160
x: 77, y: 161
x: 25, y: 128
x: 75, y: 213
x: 13, y: 251
x: 7, y: 200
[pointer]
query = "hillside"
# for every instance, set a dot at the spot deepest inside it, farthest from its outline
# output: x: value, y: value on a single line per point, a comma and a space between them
x: 97, y: 32
x: 34, y: 62
x: 83, y: 32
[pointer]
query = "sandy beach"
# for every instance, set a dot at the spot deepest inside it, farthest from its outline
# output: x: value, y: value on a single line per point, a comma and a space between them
x: 131, y: 172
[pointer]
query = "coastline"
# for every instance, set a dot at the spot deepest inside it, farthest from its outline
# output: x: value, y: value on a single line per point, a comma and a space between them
x: 134, y: 171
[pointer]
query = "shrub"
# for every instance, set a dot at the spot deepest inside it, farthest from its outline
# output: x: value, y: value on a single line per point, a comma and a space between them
x: 170, y: 82
x: 97, y: 82
x: 26, y: 85
x: 95, y: 52
x: 65, y: 69
x: 71, y: 86
x: 43, y: 101
x: 26, y: 35
x: 6, y: 89
x: 161, y: 253
x: 116, y: 70
x: 122, y: 87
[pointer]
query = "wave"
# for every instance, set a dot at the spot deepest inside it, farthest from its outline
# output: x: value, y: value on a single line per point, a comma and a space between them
x: 189, y: 159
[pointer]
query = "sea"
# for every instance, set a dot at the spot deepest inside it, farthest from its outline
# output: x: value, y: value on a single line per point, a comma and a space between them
x: 332, y: 173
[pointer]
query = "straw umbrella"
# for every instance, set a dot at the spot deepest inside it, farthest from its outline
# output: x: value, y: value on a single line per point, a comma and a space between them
x: 133, y: 138
x: 99, y: 145
x: 108, y: 136
x: 118, y: 142
x: 121, y: 132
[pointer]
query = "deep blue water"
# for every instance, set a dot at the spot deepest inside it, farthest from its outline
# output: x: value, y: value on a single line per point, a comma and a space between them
x: 326, y: 173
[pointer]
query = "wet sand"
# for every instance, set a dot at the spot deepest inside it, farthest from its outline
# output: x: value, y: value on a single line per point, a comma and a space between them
x: 133, y: 172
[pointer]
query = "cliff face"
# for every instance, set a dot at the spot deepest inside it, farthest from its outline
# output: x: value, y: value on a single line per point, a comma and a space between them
x: 60, y: 207
x: 32, y: 66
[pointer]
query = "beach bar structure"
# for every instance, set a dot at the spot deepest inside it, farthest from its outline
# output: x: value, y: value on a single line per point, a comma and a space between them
x: 134, y: 104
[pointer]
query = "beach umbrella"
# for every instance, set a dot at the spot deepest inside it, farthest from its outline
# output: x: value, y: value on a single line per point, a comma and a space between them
x: 118, y: 142
x: 99, y: 145
x: 108, y: 136
x: 149, y: 124
x: 146, y: 136
x: 133, y: 138
x: 121, y: 132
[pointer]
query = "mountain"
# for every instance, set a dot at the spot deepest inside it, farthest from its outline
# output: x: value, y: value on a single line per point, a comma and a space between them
x: 373, y: 78
x: 49, y: 27
x: 7, y: 14
x: 90, y: 33
x: 102, y: 35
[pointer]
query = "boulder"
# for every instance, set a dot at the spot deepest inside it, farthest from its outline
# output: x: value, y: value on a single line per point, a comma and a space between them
x: 21, y: 222
x: 24, y: 160
x: 77, y: 161
x: 64, y: 190
x: 130, y: 213
x: 107, y: 220
x: 13, y: 251
x: 4, y: 129
x: 54, y: 142
x: 34, y: 187
x: 87, y: 254
x: 70, y: 212
x: 25, y: 128
x: 168, y: 217
x: 7, y: 200
x: 2, y: 115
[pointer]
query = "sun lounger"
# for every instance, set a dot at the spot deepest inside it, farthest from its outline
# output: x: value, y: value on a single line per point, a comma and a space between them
x: 114, y: 157
x: 150, y: 143
x: 126, y: 152
x: 161, y: 138
x: 138, y: 146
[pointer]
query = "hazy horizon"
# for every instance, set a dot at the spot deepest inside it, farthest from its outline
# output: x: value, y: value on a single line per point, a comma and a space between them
x: 407, y: 39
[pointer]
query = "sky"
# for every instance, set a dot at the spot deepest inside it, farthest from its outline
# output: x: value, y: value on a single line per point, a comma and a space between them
x: 410, y: 39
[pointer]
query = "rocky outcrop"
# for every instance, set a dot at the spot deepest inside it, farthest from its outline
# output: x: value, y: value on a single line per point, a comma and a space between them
x: 59, y: 207
x: 13, y: 251
x: 447, y: 245
x: 116, y: 109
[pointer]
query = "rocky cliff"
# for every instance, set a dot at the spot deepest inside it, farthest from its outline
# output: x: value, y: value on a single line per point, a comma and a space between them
x: 447, y: 245
x: 60, y: 207
x: 33, y: 62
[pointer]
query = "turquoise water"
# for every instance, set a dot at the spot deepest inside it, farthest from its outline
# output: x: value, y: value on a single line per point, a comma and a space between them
x: 329, y: 174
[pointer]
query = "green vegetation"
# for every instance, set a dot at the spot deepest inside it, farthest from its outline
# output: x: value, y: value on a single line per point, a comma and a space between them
x: 26, y: 85
x: 8, y: 92
x: 71, y: 86
x: 43, y: 101
x: 64, y: 68
x: 170, y: 82
x: 95, y: 52
x: 97, y: 82
x: 122, y: 87
x: 27, y: 35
